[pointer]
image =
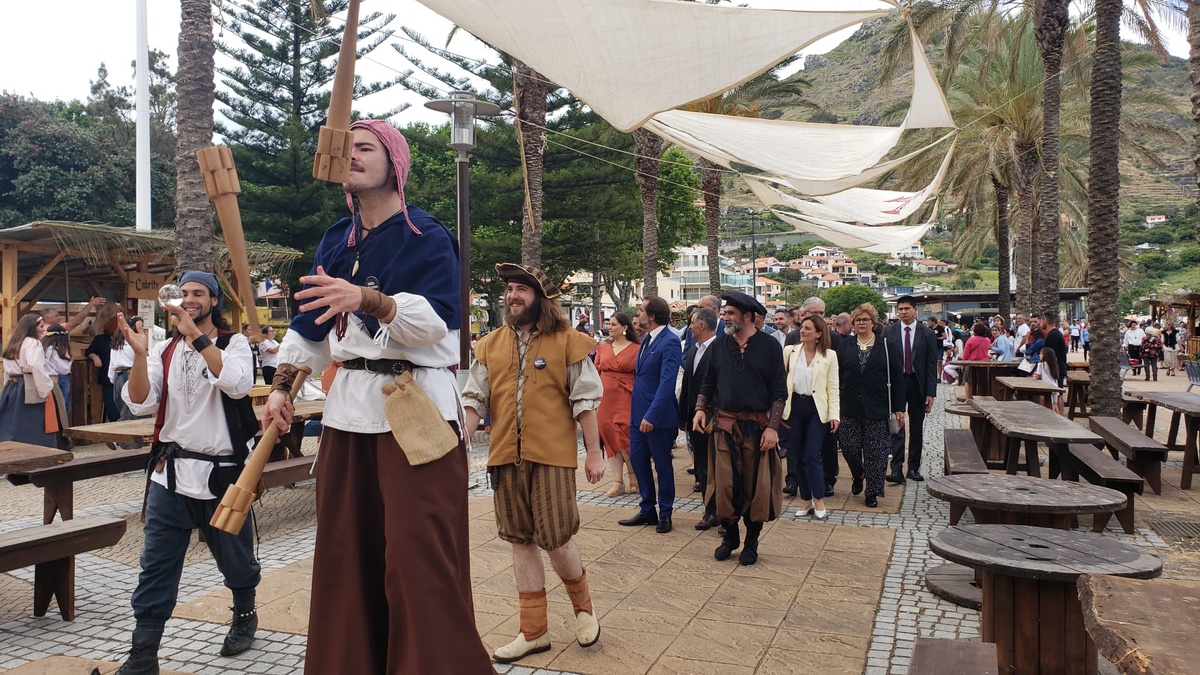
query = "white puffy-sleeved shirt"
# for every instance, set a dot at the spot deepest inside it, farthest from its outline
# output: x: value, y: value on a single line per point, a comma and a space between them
x: 194, y: 417
x: 416, y: 334
x: 31, y: 360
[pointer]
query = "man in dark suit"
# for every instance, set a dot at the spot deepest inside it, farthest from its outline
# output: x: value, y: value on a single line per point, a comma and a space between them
x: 919, y: 351
x: 695, y: 365
x: 654, y: 414
x: 1058, y: 342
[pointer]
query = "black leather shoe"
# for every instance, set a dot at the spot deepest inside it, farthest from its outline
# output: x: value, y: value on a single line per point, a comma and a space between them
x: 915, y: 475
x: 242, y: 627
x: 691, y: 471
x: 644, y: 518
x: 828, y: 490
x: 897, y: 478
x: 730, y: 542
x: 664, y: 526
x: 791, y: 489
x: 872, y: 502
x: 748, y: 556
x: 856, y: 487
x: 706, y: 522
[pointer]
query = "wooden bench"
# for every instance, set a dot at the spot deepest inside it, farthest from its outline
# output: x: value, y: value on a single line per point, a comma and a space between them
x: 1099, y: 469
x: 1132, y: 410
x: 1143, y: 455
x: 961, y: 455
x: 932, y: 656
x: 51, y: 549
x: 288, y: 471
x: 58, y: 481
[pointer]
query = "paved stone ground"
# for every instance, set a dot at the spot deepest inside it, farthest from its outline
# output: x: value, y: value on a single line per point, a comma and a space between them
x: 904, y: 609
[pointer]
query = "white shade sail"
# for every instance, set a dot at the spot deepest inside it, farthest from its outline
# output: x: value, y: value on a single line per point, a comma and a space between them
x: 629, y: 59
x: 826, y: 187
x: 813, y: 158
x: 863, y: 205
x: 886, y: 239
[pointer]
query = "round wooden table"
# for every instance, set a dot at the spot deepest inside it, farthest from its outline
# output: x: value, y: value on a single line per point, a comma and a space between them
x: 1009, y: 500
x: 1031, y: 611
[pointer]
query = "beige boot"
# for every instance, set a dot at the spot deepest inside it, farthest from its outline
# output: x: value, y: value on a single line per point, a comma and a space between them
x: 615, y: 470
x: 587, y: 626
x: 534, y: 637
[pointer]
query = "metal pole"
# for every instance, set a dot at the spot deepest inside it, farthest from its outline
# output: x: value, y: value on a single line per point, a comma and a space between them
x: 754, y: 257
x: 464, y: 256
x: 142, y: 166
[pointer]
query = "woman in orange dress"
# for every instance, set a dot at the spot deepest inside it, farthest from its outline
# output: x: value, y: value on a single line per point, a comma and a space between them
x: 616, y: 359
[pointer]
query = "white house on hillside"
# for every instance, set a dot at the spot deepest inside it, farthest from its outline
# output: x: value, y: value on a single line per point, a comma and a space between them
x: 915, y: 251
x: 1155, y: 221
x: 825, y: 252
x: 767, y: 288
x: 930, y: 266
x: 691, y: 272
x: 829, y: 281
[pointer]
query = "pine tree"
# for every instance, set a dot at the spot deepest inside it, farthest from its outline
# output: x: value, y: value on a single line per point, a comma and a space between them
x: 275, y: 101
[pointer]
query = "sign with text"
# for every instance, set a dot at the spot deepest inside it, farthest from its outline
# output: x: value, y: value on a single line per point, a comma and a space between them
x: 144, y: 286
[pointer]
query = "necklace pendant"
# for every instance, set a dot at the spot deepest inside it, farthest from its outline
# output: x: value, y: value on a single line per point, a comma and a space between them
x: 354, y: 271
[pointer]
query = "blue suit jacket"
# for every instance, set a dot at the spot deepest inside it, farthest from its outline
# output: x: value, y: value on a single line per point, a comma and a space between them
x: 654, y: 384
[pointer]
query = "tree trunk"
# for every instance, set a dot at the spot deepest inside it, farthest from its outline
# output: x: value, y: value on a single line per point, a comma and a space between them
x: 710, y: 186
x: 1027, y: 173
x: 1193, y: 15
x: 1104, y: 184
x: 649, y: 150
x: 597, y: 322
x: 1053, y: 21
x: 529, y: 99
x: 194, y: 121
x: 1003, y: 249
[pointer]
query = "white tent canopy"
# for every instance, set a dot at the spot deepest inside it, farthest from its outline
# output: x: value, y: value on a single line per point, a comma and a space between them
x: 863, y: 205
x: 630, y: 59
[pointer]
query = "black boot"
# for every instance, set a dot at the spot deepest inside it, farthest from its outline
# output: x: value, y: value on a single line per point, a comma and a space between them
x: 729, y: 542
x: 243, y: 625
x: 143, y: 657
x: 749, y: 554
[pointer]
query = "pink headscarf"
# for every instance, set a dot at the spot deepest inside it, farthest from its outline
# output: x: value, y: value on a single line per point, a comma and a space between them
x: 397, y: 149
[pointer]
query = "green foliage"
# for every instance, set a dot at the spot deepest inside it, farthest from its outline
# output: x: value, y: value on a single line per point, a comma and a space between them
x: 967, y: 282
x: 1190, y: 256
x: 845, y: 298
x: 275, y: 100
x: 1156, y: 263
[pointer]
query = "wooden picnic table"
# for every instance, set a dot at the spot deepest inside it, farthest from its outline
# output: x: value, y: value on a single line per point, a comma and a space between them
x: 16, y: 456
x: 1027, y: 389
x: 141, y: 430
x: 987, y: 442
x: 982, y: 375
x: 1026, y: 422
x: 1143, y: 627
x: 1078, y: 383
x: 1009, y: 500
x: 1182, y: 405
x: 1082, y: 366
x: 1031, y: 610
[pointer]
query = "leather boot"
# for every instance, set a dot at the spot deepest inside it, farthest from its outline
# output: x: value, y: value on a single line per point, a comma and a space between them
x: 729, y: 542
x: 749, y: 554
x: 143, y: 657
x: 243, y: 625
x: 616, y: 470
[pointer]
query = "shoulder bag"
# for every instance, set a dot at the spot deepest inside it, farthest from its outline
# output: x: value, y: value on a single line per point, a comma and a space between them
x: 31, y: 393
x: 893, y: 423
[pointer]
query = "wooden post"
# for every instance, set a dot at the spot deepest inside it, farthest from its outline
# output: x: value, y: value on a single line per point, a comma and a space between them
x: 8, y: 285
x: 335, y: 142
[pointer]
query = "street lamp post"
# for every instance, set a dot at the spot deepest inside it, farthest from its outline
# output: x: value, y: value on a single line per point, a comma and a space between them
x: 463, y: 108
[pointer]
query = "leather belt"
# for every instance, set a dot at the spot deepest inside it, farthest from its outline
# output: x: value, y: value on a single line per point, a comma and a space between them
x: 383, y: 366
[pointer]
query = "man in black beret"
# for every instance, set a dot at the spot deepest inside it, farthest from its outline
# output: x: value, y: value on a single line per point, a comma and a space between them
x: 746, y: 387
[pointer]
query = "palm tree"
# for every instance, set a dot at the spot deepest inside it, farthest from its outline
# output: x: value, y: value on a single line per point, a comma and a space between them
x: 649, y: 150
x: 529, y: 98
x: 1193, y: 34
x: 1052, y: 19
x: 194, y: 89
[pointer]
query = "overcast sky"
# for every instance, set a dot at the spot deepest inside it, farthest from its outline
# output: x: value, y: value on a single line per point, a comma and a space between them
x: 59, y: 45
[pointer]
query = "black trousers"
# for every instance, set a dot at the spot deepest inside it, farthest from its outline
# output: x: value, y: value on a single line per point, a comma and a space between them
x: 829, y: 458
x: 914, y: 404
x: 698, y: 442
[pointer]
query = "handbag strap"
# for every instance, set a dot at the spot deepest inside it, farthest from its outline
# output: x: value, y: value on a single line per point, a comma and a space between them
x: 887, y: 355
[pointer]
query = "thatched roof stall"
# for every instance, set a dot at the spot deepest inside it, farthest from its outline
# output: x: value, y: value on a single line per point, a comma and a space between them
x: 69, y: 262
x: 1182, y: 304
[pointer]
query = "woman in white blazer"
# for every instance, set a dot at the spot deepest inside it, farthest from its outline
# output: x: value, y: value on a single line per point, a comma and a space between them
x: 812, y: 409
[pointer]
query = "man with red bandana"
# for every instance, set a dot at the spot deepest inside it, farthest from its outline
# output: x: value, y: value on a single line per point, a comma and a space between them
x: 391, y: 588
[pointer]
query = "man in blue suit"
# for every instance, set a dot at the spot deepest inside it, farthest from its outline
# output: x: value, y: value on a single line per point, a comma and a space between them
x: 654, y: 414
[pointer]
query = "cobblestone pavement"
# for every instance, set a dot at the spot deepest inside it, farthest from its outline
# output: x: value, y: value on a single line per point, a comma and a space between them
x: 106, y: 579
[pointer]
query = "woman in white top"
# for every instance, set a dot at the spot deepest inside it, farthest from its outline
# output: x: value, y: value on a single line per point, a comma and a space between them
x: 24, y: 355
x: 812, y: 409
x: 57, y: 343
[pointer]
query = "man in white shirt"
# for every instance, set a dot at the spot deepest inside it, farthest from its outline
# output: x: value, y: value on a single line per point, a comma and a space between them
x: 1022, y: 331
x: 268, y: 353
x: 382, y: 298
x: 1131, y: 342
x: 197, y: 383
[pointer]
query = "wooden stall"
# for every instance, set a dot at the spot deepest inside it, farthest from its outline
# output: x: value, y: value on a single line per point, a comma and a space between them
x: 63, y: 264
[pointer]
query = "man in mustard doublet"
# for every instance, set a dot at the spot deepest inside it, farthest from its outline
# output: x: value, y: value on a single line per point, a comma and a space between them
x: 535, y: 377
